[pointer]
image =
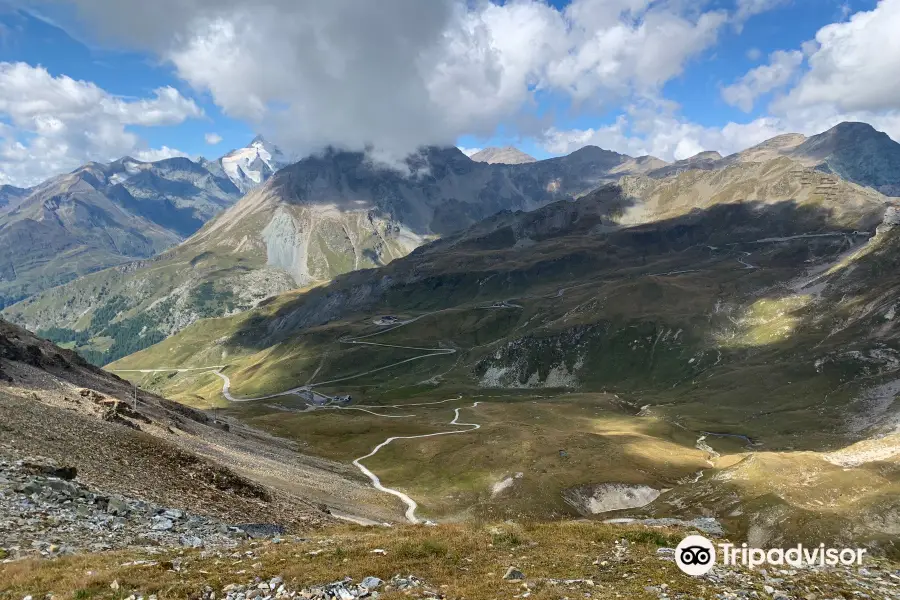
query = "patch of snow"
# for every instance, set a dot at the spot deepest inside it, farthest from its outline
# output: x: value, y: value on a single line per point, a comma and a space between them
x: 248, y: 167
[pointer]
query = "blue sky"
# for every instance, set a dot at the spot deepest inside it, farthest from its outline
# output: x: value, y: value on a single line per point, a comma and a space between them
x: 548, y: 78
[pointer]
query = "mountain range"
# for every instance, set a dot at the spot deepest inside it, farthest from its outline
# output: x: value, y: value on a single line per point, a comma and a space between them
x: 856, y: 152
x: 720, y: 343
x: 101, y: 215
x: 337, y: 211
x: 325, y: 215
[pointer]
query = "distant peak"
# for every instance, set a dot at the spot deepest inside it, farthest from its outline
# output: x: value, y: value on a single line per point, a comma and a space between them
x: 259, y: 139
x: 596, y: 153
x: 785, y: 139
x: 705, y: 155
x: 851, y: 130
x: 591, y: 149
x: 852, y: 126
x: 507, y: 155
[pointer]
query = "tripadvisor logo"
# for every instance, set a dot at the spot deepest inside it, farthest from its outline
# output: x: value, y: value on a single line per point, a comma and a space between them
x: 696, y: 555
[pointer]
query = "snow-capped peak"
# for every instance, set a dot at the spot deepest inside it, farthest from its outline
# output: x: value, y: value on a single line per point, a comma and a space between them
x: 250, y: 166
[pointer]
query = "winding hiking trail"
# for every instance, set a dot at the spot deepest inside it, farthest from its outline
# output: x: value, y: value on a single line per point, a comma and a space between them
x: 226, y: 381
x: 411, y: 505
x: 308, y: 387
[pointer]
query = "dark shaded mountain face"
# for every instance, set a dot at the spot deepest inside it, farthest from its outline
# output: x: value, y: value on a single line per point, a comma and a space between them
x: 99, y: 216
x: 858, y: 153
x: 443, y: 190
x: 176, y: 193
x: 10, y: 196
x: 770, y: 203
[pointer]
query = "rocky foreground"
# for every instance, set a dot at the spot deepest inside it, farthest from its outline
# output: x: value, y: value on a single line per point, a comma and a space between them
x: 564, y: 560
x: 45, y: 511
x: 60, y: 538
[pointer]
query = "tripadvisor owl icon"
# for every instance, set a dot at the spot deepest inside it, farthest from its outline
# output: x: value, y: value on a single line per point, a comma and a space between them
x: 695, y: 555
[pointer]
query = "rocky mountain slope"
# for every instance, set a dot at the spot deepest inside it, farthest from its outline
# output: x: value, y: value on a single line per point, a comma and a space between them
x: 856, y: 152
x: 714, y: 337
x: 503, y: 156
x: 702, y: 161
x: 123, y: 442
x: 102, y: 215
x: 318, y: 218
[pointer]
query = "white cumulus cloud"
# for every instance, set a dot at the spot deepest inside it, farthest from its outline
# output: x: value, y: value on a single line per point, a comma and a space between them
x: 782, y: 68
x: 212, y: 138
x: 155, y: 154
x: 58, y: 123
x: 657, y: 131
x: 853, y: 65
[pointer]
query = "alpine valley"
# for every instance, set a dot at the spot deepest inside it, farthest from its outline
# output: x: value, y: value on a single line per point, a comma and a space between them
x: 707, y: 345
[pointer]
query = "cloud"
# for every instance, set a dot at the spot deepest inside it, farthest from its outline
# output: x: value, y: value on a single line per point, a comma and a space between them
x: 398, y: 74
x: 754, y: 54
x: 657, y: 131
x: 155, y: 154
x: 58, y: 123
x: 469, y: 151
x: 782, y: 68
x: 853, y: 64
x: 212, y: 138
